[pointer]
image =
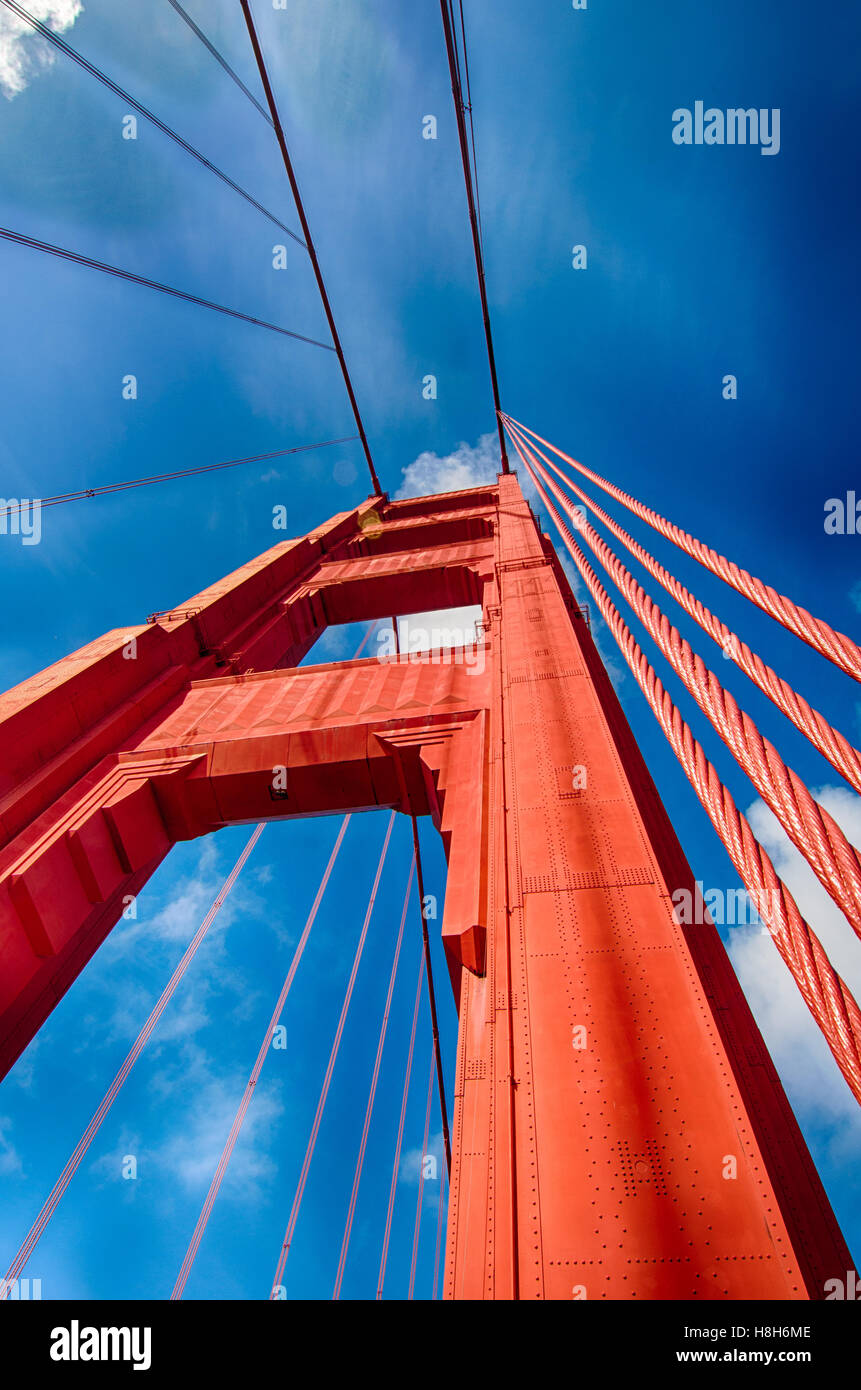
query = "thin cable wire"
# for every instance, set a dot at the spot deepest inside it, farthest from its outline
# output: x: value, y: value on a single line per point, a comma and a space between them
x: 810, y: 827
x: 309, y: 240
x: 108, y: 488
x: 369, y: 1110
x: 421, y: 1184
x: 239, y: 1118
x: 471, y: 122
x: 187, y: 19
x: 825, y: 738
x: 826, y: 995
x: 436, y: 1260
x: 327, y: 1080
x: 21, y: 240
x: 398, y: 1143
x: 116, y: 1085
x: 443, y: 1108
x: 835, y: 646
x: 454, y: 73
x: 60, y: 44
x: 425, y: 943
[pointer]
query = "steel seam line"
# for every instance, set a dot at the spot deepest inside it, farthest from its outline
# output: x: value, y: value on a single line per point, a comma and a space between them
x: 59, y: 43
x: 834, y: 646
x: 119, y: 1080
x: 827, y: 740
x: 327, y: 1079
x: 230, y: 1143
x: 827, y: 996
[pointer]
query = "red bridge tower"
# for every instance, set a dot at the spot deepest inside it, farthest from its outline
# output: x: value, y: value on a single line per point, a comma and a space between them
x: 619, y: 1130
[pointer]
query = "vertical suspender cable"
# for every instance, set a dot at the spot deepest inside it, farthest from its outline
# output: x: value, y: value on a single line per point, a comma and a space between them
x: 443, y: 1109
x: 227, y: 1152
x: 373, y: 1091
x: 425, y: 946
x: 119, y: 1080
x: 327, y: 1080
x: 396, y: 1165
x: 438, y: 1233
x: 437, y: 1052
x: 421, y: 1184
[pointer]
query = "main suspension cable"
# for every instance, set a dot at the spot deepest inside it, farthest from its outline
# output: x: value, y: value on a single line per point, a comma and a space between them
x: 826, y: 995
x: 327, y: 1080
x: 810, y: 827
x: 827, y: 740
x: 60, y: 44
x: 230, y: 1144
x: 835, y: 646
x: 454, y: 73
x: 48, y: 249
x: 369, y: 1109
x: 309, y: 240
x: 116, y: 1085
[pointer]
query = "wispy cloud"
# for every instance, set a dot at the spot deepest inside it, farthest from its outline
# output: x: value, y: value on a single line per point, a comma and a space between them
x: 9, y: 1160
x: 23, y: 53
x: 189, y: 1151
x: 469, y: 465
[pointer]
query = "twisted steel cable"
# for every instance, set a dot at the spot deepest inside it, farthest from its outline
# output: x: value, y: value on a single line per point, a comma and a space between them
x: 827, y: 740
x: 812, y: 830
x: 835, y: 646
x: 826, y: 995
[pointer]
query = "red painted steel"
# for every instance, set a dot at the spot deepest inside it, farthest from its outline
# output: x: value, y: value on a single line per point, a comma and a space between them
x: 609, y: 1074
x: 808, y: 721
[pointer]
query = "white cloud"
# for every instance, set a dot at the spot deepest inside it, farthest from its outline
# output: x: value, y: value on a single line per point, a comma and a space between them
x: 466, y: 466
x: 9, y: 1160
x: 24, y: 53
x: 801, y: 1055
x: 411, y: 1169
x: 188, y: 1153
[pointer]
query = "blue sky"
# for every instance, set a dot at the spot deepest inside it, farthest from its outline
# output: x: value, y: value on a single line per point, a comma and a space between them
x: 703, y: 261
